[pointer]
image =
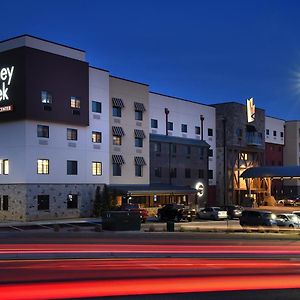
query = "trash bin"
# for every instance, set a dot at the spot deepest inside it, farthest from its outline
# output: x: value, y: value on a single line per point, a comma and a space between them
x: 170, y: 226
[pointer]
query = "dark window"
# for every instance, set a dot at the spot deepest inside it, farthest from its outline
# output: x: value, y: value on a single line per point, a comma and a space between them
x: 157, y: 147
x: 210, y: 132
x: 138, y: 115
x: 117, y: 140
x: 187, y: 173
x: 96, y: 137
x: 154, y: 123
x: 138, y: 142
x: 197, y: 130
x: 138, y: 170
x: 173, y: 172
x: 4, y: 203
x: 200, y: 173
x: 71, y: 134
x: 183, y: 128
x: 210, y: 174
x: 46, y: 97
x: 267, y: 131
x: 157, y: 172
x: 281, y: 134
x: 75, y: 102
x: 43, y: 131
x: 43, y: 202
x: 117, y: 170
x: 210, y: 152
x: 170, y: 126
x: 96, y: 107
x: 274, y: 132
x: 72, y: 201
x: 117, y: 111
x: 71, y: 167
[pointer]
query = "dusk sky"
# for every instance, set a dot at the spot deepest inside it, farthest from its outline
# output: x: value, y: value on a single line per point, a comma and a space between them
x: 206, y: 51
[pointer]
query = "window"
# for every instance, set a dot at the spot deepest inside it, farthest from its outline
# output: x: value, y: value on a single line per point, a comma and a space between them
x: 170, y: 126
x: 138, y: 115
x: 43, y: 166
x: 71, y: 167
x: 96, y: 168
x: 274, y: 132
x: 210, y: 174
x: 209, y: 132
x: 200, y: 173
x: 210, y: 152
x: 71, y: 134
x: 4, y: 202
x: 46, y: 97
x: 157, y: 147
x: 187, y: 173
x: 43, y: 131
x: 117, y: 169
x: 96, y: 107
x: 157, y: 172
x: 4, y: 166
x: 96, y: 137
x: 43, y: 202
x: 138, y: 171
x: 72, y: 201
x: 117, y: 140
x: 173, y: 173
x: 154, y: 123
x: 75, y: 103
x: 267, y: 131
x: 197, y: 130
x: 117, y: 111
x: 183, y: 128
x: 138, y: 142
x: 281, y: 134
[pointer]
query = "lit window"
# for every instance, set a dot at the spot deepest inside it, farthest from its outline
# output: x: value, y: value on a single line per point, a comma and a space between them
x: 4, y: 166
x: 96, y: 168
x: 75, y: 102
x: 43, y: 166
x: 96, y: 107
x: 96, y: 137
x: 117, y: 140
x: 46, y: 97
x: 43, y: 131
x: 71, y: 134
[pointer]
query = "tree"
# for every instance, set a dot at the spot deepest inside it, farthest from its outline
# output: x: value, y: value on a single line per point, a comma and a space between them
x: 105, y: 200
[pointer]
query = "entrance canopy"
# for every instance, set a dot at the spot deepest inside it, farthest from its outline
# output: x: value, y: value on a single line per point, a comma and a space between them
x: 291, y: 172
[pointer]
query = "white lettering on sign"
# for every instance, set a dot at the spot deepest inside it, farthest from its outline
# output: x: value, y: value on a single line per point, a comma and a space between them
x: 250, y: 110
x: 6, y: 75
x: 6, y: 108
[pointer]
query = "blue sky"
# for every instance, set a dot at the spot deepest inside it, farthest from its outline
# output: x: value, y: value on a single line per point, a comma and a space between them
x: 207, y: 51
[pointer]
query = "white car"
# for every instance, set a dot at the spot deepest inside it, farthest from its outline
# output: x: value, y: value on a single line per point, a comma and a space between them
x: 288, y: 220
x: 212, y: 213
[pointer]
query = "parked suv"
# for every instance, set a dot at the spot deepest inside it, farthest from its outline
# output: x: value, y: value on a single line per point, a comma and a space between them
x: 233, y: 211
x: 176, y: 212
x: 258, y: 218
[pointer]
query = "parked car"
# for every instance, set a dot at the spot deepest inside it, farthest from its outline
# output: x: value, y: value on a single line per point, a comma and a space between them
x: 233, y: 211
x: 176, y: 212
x: 135, y: 207
x: 258, y: 218
x: 288, y: 220
x: 212, y: 213
x: 296, y: 212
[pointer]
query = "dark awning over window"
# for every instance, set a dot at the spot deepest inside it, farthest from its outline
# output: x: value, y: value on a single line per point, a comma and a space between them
x: 139, y: 106
x: 139, y: 133
x: 272, y: 172
x: 118, y: 159
x: 118, y: 102
x: 118, y: 131
x: 138, y: 160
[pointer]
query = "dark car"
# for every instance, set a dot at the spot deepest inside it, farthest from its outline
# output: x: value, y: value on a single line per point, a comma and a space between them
x: 233, y: 211
x: 257, y: 218
x: 175, y: 212
x: 135, y: 207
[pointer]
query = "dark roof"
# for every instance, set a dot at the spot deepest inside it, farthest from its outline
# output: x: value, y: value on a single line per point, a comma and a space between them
x: 272, y: 172
x: 177, y: 140
x: 150, y: 189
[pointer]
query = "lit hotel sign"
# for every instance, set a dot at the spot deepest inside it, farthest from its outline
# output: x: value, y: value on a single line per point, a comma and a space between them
x: 250, y: 110
x: 6, y: 75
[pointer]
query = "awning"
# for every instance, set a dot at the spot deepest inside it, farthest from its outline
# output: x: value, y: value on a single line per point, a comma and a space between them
x: 118, y: 159
x: 138, y: 133
x: 118, y: 131
x: 139, y: 161
x: 291, y: 172
x: 139, y: 106
x: 117, y: 102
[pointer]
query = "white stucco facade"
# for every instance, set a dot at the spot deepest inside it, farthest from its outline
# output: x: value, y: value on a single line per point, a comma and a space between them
x: 274, y: 132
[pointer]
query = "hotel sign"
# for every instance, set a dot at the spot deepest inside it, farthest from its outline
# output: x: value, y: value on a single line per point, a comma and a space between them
x: 6, y: 108
x: 6, y: 75
x: 250, y: 110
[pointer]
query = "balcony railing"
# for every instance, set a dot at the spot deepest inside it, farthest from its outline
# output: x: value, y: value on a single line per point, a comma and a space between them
x: 254, y: 138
